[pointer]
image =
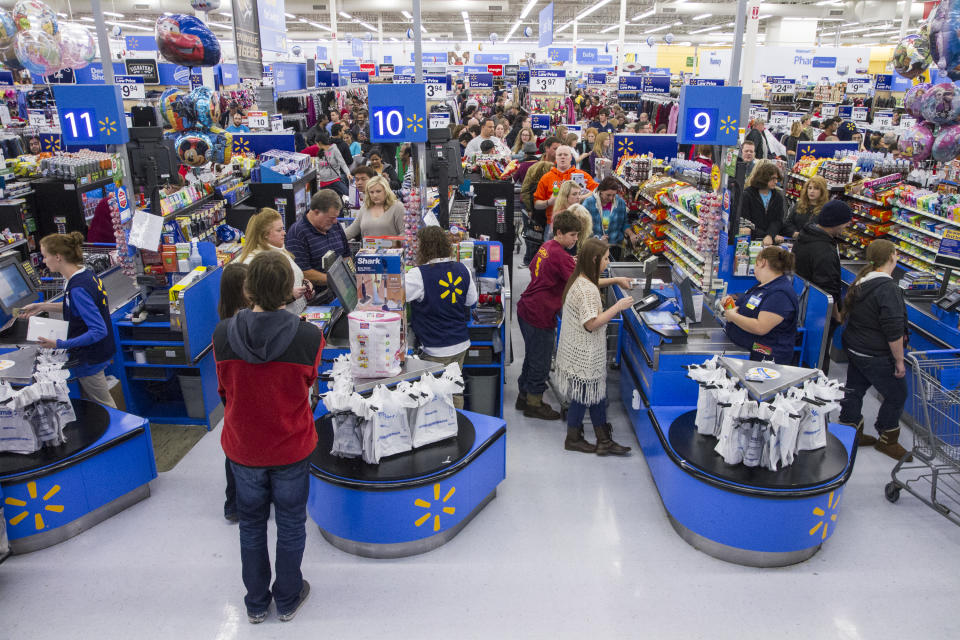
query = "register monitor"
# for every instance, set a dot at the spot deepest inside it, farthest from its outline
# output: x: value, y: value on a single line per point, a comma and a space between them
x: 342, y: 280
x: 16, y: 289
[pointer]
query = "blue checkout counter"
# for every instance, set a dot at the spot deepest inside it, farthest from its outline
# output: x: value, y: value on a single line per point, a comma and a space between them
x: 748, y: 516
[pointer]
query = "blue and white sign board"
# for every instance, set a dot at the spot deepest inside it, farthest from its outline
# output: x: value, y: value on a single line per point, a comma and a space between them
x: 402, y: 78
x: 289, y: 76
x: 131, y: 87
x: 948, y: 254
x: 480, y: 80
x: 398, y: 113
x: 91, y: 114
x: 883, y: 119
x: 196, y: 78
x: 656, y: 84
x: 436, y: 87
x: 359, y: 78
x: 779, y: 119
x: 758, y: 111
x: 540, y: 122
x: 523, y: 77
x: 438, y: 120
x: 272, y: 25
x: 587, y: 55
x: 229, y: 74
x: 257, y: 143
x: 596, y: 79
x: 550, y: 81
x: 828, y: 110
x: 6, y: 78
x: 630, y: 83
x: 662, y: 145
x: 546, y: 26
x: 783, y: 87
x: 709, y: 115
x: 64, y: 76
x: 356, y: 47
x: 560, y: 54
x: 845, y: 111
x: 907, y: 122
x: 858, y: 86
x: 325, y: 78
x: 707, y: 82
x: 602, y: 59
x: 824, y: 149
x: 859, y: 114
x: 492, y: 58
x: 883, y: 82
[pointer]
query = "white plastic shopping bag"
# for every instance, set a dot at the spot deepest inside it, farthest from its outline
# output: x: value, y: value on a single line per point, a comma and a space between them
x: 822, y: 395
x: 390, y: 425
x: 437, y: 417
x: 728, y: 444
x: 347, y: 426
x: 376, y: 345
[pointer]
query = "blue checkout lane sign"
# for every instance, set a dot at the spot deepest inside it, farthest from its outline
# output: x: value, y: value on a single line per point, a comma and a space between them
x: 91, y: 114
x: 398, y: 113
x: 709, y: 115
x: 948, y: 255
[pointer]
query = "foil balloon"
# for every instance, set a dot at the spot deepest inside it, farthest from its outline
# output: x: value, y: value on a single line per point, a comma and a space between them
x: 916, y: 144
x: 913, y: 98
x: 206, y: 105
x: 194, y: 149
x: 31, y: 15
x: 409, y: 34
x: 946, y: 147
x: 187, y: 41
x: 297, y: 50
x: 912, y: 56
x: 170, y: 116
x: 368, y: 36
x: 205, y: 5
x: 527, y: 32
x: 650, y: 41
x: 668, y: 38
x: 494, y: 37
x: 944, y: 40
x: 116, y: 31
x: 77, y: 47
x: 222, y: 145
x: 941, y: 103
x: 38, y: 52
x: 8, y: 38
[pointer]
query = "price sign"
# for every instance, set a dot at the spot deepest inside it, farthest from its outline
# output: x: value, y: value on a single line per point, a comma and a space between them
x: 907, y: 122
x: 480, y: 80
x: 845, y: 111
x: 948, y: 254
x: 860, y: 114
x: 779, y: 118
x: 36, y: 118
x: 828, y: 110
x: 540, y: 122
x: 523, y: 77
x: 359, y: 77
x: 883, y: 119
x: 439, y: 120
x: 707, y: 82
x: 131, y: 87
x: 398, y: 113
x: 630, y: 83
x: 257, y: 119
x: 402, y: 78
x: 782, y: 87
x: 757, y: 111
x: 276, y: 122
x: 858, y: 86
x: 883, y: 82
x: 547, y: 81
x: 495, y: 69
x: 656, y: 84
x: 596, y: 79
x: 435, y: 91
x: 709, y: 115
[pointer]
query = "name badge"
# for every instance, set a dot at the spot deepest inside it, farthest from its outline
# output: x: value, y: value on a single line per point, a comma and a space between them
x: 752, y: 302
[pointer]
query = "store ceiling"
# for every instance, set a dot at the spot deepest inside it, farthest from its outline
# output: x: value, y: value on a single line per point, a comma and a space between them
x: 861, y: 22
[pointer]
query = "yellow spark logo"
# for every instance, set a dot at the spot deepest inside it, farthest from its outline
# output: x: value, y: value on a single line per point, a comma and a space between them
x: 825, y: 518
x: 38, y: 516
x: 451, y: 287
x: 626, y: 146
x: 807, y: 150
x: 415, y: 122
x: 52, y: 143
x: 423, y: 504
x: 107, y: 125
x: 241, y: 145
x: 134, y: 43
x: 728, y: 124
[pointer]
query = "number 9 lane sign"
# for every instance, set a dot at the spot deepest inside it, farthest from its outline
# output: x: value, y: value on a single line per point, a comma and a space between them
x: 709, y: 115
x: 398, y: 113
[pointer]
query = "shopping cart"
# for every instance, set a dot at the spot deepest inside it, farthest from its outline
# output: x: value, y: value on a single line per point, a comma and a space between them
x: 934, y: 476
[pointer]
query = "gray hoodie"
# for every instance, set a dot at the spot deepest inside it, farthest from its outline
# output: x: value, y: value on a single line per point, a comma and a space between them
x: 262, y: 337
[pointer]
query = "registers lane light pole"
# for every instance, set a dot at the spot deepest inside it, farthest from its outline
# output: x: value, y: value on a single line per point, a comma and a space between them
x: 622, y: 35
x: 419, y: 154
x: 334, y: 54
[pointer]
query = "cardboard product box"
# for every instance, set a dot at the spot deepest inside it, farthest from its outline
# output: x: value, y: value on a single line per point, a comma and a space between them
x: 375, y: 243
x: 380, y: 283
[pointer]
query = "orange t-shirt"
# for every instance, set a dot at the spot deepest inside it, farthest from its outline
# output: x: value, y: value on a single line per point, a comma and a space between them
x: 556, y: 177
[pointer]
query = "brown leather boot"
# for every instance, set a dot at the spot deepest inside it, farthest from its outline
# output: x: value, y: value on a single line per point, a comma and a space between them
x: 521, y: 402
x: 888, y: 445
x: 605, y: 444
x: 576, y: 442
x: 862, y: 439
x: 537, y: 408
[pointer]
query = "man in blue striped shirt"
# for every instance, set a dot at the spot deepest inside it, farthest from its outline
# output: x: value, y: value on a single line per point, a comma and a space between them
x: 312, y: 236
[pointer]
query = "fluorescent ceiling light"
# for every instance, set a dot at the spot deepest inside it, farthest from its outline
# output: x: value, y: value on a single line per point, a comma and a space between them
x: 304, y: 20
x: 147, y: 20
x: 466, y: 16
x: 702, y: 16
x: 645, y: 14
x: 566, y: 26
x: 704, y: 30
x: 367, y: 26
x: 346, y: 15
x: 584, y: 14
x: 289, y: 15
x: 228, y: 14
x: 220, y: 24
x: 395, y: 39
x: 87, y: 19
x: 407, y: 15
x: 63, y: 15
x: 130, y: 26
x: 660, y: 28
x: 610, y: 28
x: 112, y: 14
x: 527, y: 9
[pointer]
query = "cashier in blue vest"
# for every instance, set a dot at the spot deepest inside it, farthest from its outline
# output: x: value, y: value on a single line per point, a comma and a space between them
x: 440, y: 292
x: 764, y: 319
x: 84, y: 307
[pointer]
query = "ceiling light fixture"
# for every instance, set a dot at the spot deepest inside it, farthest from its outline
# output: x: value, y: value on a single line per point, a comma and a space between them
x: 645, y: 14
x: 406, y: 14
x: 344, y: 14
x: 289, y: 15
x: 660, y: 28
x: 702, y: 16
x: 112, y: 14
x: 566, y: 26
x: 87, y: 19
x: 527, y: 9
x: 586, y: 13
x: 610, y: 28
x: 705, y: 29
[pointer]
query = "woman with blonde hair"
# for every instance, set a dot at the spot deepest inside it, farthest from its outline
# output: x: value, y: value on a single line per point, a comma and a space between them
x: 586, y: 225
x: 570, y: 193
x: 602, y: 146
x: 381, y: 214
x: 526, y: 135
x: 806, y: 209
x: 265, y: 232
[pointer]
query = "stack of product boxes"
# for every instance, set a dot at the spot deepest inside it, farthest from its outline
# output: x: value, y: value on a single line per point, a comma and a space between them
x: 380, y: 283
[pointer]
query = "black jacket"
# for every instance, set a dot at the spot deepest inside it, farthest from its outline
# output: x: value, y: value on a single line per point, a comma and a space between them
x: 877, y: 316
x: 818, y: 261
x: 795, y: 221
x: 766, y: 220
x: 759, y: 143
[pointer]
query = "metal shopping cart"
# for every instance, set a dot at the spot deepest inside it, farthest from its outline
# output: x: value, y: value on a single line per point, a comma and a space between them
x: 934, y: 475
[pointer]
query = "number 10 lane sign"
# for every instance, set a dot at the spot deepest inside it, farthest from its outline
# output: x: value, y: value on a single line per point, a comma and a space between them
x: 398, y: 113
x: 709, y: 115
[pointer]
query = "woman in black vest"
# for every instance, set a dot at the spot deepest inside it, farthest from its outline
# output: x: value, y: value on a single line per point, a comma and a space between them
x: 84, y: 307
x: 440, y: 292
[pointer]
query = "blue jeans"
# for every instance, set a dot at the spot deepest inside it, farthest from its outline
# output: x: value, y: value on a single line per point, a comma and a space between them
x: 286, y: 489
x: 537, y: 353
x: 230, y: 503
x: 863, y: 373
x: 576, y: 411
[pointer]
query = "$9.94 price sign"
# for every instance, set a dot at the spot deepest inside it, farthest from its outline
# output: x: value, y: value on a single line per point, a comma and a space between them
x: 131, y: 87
x: 547, y: 81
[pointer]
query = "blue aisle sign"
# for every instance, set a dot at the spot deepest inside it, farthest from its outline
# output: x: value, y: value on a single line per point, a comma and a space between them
x: 656, y: 84
x: 883, y: 82
x: 97, y: 118
x: 480, y: 80
x: 587, y: 56
x: 229, y: 74
x: 948, y: 255
x: 322, y: 53
x: 560, y: 54
x: 709, y: 115
x: 6, y: 78
x: 845, y: 111
x: 663, y: 145
x: 398, y: 113
x: 602, y: 59
x: 707, y: 82
x: 356, y: 47
x: 546, y: 26
x: 492, y: 58
x: 272, y: 24
x: 325, y: 79
x: 596, y: 79
x: 359, y: 77
x: 257, y: 143
x: 540, y: 122
x: 523, y: 77
x: 140, y: 43
x: 630, y: 84
x: 289, y: 76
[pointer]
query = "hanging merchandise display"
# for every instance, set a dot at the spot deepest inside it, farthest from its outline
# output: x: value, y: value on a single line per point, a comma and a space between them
x: 32, y: 38
x: 944, y: 43
x: 186, y: 40
x: 912, y: 55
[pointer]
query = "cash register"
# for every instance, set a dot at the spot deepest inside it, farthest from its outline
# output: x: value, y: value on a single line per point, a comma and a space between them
x: 17, y: 288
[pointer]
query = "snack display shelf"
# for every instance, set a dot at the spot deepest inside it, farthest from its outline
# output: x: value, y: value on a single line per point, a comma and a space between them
x: 932, y: 216
x: 680, y: 209
x: 682, y: 229
x: 901, y: 223
x: 689, y: 268
x: 913, y: 242
x: 855, y: 196
x: 696, y: 254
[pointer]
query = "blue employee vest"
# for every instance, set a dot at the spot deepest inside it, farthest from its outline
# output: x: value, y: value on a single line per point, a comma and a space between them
x: 440, y: 318
x: 777, y: 296
x: 97, y: 352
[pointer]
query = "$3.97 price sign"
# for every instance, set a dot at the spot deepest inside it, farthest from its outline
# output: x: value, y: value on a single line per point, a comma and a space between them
x: 548, y: 82
x: 131, y: 87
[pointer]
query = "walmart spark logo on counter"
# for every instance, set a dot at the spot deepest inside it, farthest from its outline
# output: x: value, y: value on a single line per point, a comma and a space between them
x: 37, y: 509
x: 827, y: 517
x: 423, y: 504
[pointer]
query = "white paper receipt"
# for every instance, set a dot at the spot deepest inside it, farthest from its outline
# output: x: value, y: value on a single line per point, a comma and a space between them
x: 46, y: 328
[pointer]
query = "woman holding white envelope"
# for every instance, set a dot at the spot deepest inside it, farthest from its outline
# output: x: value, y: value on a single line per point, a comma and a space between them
x: 84, y: 308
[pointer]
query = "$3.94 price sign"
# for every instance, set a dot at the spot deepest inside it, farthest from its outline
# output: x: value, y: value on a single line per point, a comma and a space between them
x: 547, y: 82
x: 257, y: 119
x: 435, y: 91
x: 131, y: 87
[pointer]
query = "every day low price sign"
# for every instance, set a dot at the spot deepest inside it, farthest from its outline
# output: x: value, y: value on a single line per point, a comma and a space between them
x: 656, y: 84
x: 547, y: 81
x: 480, y: 80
